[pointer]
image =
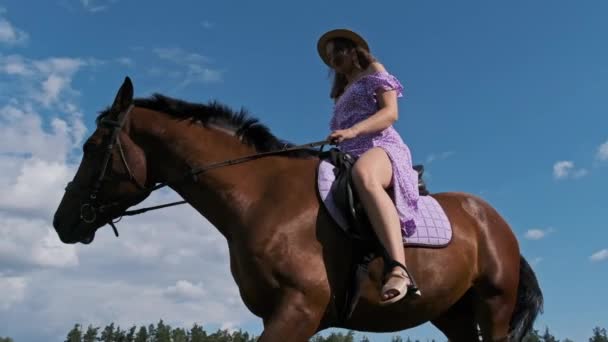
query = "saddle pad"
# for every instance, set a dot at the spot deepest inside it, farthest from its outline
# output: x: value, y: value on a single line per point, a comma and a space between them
x: 433, y: 229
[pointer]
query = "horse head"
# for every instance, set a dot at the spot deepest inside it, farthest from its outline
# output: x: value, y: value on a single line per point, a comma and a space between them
x: 110, y: 177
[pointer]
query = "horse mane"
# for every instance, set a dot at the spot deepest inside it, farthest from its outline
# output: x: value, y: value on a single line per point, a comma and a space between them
x: 241, y: 123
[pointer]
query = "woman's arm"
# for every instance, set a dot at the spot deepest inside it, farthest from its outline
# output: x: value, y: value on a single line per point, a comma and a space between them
x: 383, y: 118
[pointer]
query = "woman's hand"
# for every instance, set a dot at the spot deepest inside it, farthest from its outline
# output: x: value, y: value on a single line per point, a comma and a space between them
x: 342, y: 134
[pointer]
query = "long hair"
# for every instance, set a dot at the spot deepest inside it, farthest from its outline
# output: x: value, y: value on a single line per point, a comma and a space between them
x: 342, y: 49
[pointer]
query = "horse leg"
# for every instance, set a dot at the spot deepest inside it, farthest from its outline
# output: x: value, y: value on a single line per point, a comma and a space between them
x: 494, y: 316
x: 294, y: 319
x: 495, y: 308
x: 458, y: 324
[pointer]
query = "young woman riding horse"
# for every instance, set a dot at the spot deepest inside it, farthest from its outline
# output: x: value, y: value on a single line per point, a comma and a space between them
x: 289, y: 258
x: 365, y: 96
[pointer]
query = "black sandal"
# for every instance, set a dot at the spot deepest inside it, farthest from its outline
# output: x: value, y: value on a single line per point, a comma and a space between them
x: 409, y: 289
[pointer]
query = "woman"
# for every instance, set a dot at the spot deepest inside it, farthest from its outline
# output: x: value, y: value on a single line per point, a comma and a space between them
x: 365, y: 109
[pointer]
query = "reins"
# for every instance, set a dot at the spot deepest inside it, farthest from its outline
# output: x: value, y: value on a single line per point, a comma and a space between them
x: 193, y: 173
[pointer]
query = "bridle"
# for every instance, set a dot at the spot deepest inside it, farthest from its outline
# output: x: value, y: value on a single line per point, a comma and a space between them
x: 90, y: 209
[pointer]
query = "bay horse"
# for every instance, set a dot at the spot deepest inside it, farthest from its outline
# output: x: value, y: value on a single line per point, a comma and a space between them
x: 287, y: 256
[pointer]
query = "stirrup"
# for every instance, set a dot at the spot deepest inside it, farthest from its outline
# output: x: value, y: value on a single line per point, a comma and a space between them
x: 410, y: 289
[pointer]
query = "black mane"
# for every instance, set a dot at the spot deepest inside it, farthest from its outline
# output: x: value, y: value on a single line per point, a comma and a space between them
x: 245, y: 127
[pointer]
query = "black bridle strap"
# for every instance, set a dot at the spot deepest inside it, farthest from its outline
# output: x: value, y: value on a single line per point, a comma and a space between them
x: 196, y: 171
x: 116, y: 127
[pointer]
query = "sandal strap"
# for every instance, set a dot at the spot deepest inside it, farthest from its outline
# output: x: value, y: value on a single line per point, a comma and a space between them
x: 392, y: 263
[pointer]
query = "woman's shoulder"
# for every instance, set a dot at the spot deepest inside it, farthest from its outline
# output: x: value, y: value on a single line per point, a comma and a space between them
x: 380, y: 78
x: 377, y: 67
x: 377, y: 70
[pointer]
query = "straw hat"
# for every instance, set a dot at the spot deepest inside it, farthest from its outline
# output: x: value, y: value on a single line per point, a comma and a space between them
x: 338, y: 33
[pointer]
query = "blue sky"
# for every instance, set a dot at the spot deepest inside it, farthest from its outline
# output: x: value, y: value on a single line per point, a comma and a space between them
x: 506, y: 100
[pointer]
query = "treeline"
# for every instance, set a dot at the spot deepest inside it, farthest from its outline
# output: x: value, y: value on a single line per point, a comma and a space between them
x: 162, y: 332
x: 599, y: 335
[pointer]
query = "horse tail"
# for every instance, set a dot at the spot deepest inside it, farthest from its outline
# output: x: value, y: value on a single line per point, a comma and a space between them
x: 529, y: 302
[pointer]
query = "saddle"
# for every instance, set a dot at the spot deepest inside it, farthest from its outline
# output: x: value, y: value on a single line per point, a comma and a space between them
x: 345, y: 195
x: 366, y: 245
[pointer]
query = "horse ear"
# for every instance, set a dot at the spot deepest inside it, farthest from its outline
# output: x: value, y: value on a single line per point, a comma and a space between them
x: 124, y: 97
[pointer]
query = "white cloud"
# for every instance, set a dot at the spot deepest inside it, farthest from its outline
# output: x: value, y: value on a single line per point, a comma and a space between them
x: 602, y: 152
x: 170, y: 262
x: 124, y: 302
x: 22, y: 132
x: 33, y: 157
x: 58, y: 78
x: 537, y: 234
x: 37, y: 186
x: 32, y: 243
x: 15, y: 65
x: 180, y: 56
x: 11, y: 35
x: 47, y: 82
x: 192, y: 67
x: 94, y: 6
x: 184, y: 290
x: 561, y: 169
x: 440, y: 156
x: 125, y: 61
x: 112, y: 283
x: 566, y: 169
x: 12, y: 290
x: 51, y: 252
x: 600, y: 255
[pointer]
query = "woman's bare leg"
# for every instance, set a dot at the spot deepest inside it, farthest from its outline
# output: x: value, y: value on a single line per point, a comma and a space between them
x: 372, y: 174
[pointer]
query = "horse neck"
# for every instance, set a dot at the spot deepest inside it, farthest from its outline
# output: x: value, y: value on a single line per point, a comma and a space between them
x: 224, y: 195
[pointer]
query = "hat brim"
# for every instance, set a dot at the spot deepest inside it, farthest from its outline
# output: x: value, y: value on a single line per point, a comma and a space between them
x: 338, y: 33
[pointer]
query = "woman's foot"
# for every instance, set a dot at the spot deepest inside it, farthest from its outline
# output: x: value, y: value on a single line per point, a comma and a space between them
x: 396, y: 286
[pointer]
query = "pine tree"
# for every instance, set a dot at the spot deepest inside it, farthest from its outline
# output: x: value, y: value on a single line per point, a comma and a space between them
x: 599, y: 335
x: 397, y: 339
x: 220, y: 336
x: 365, y: 339
x: 6, y: 339
x: 142, y: 335
x: 131, y: 334
x: 179, y: 335
x: 91, y: 334
x: 532, y: 336
x: 241, y: 336
x: 197, y: 334
x: 151, y: 332
x: 107, y: 335
x: 119, y: 335
x: 163, y: 332
x: 547, y: 337
x: 336, y: 337
x: 74, y: 335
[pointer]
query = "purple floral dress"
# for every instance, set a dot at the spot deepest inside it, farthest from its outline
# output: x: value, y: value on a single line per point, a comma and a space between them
x: 357, y: 103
